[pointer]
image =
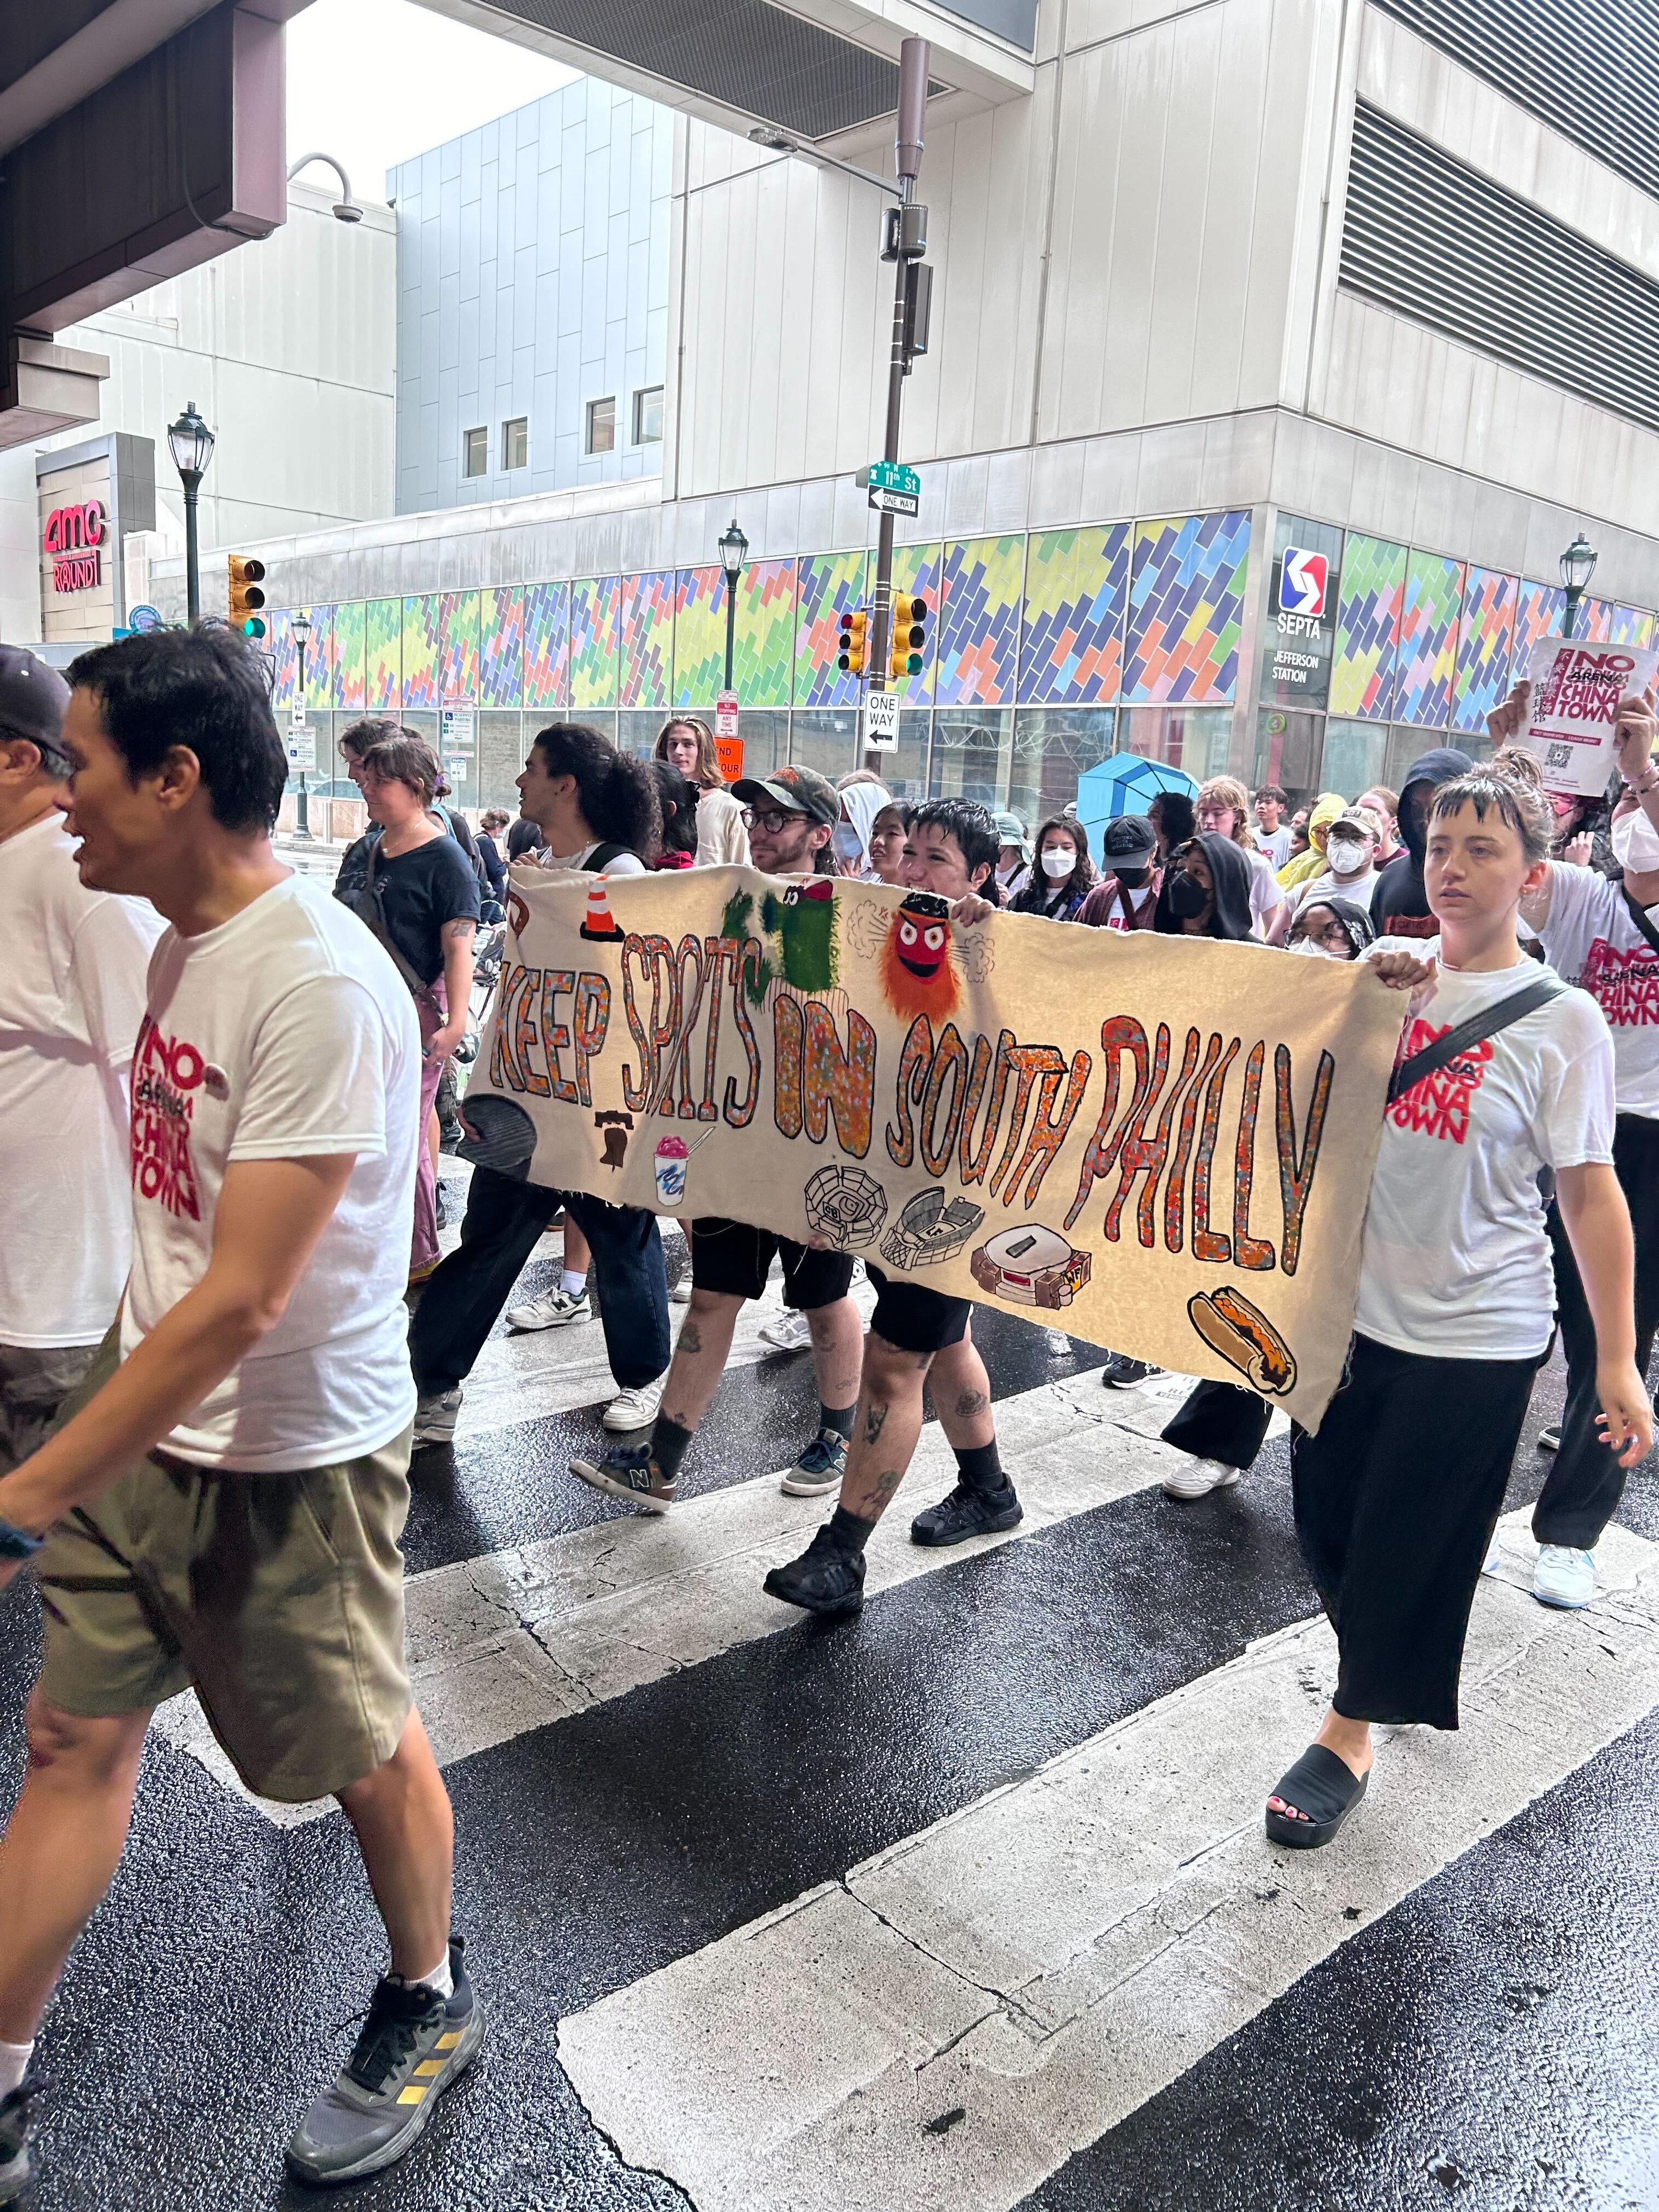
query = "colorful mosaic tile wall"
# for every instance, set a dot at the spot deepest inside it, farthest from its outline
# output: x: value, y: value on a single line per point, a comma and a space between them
x: 1139, y: 613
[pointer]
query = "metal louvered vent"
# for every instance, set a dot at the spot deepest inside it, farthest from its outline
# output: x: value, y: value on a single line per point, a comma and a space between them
x: 1587, y: 68
x: 1427, y: 235
x: 759, y: 59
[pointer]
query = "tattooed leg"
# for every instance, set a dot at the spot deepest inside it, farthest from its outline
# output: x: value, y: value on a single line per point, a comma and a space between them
x: 888, y: 1425
x: 700, y: 1356
x: 838, y: 1350
x: 961, y: 1396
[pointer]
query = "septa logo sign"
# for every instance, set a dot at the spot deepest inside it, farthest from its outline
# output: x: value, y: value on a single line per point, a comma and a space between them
x: 1304, y: 581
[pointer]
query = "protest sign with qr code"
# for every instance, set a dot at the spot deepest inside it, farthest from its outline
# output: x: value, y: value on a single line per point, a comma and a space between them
x: 1577, y: 685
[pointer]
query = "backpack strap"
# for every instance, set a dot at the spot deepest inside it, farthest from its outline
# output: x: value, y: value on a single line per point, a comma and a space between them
x: 1475, y: 1031
x: 601, y: 857
x: 1637, y: 914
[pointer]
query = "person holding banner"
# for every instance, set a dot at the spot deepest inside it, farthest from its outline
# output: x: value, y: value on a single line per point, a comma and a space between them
x: 917, y: 1336
x: 1603, y: 936
x: 790, y: 818
x: 1505, y: 1072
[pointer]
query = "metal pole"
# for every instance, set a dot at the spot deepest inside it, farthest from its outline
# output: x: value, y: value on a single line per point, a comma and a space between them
x: 302, y: 821
x: 912, y: 110
x: 192, y: 478
x: 1573, y: 598
x: 731, y: 624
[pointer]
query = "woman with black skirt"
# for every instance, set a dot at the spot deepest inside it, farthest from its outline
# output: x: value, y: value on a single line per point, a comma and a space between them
x: 1397, y: 1496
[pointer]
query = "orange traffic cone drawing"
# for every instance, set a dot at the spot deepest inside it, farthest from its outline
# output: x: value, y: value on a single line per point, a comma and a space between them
x: 601, y: 925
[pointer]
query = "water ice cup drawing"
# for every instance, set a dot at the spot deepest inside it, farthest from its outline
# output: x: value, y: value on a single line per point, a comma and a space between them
x: 672, y: 1157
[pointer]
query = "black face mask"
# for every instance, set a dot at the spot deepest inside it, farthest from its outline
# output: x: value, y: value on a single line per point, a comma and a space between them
x: 1133, y: 879
x: 1188, y: 897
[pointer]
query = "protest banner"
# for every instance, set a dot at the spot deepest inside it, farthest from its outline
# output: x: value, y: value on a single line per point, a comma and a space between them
x: 1160, y: 1144
x: 1575, y: 689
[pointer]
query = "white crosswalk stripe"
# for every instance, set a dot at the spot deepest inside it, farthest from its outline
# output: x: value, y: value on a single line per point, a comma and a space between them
x: 946, y: 2024
x: 512, y: 1642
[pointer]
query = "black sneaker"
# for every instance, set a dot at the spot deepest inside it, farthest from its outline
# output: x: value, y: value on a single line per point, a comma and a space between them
x: 967, y: 1513
x: 824, y: 1579
x: 15, y: 2171
x: 415, y: 2045
x: 1122, y: 1373
x: 629, y: 1472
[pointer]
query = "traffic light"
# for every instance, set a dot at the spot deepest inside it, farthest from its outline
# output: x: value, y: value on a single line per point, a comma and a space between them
x: 246, y: 575
x: 854, y: 654
x: 909, y: 644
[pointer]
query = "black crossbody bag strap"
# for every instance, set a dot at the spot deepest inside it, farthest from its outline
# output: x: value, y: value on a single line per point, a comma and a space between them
x: 1638, y: 917
x: 1475, y: 1031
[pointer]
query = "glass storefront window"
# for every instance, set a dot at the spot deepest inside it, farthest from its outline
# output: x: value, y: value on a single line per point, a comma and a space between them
x: 972, y: 755
x: 1357, y: 756
x: 826, y: 739
x: 503, y: 742
x: 1287, y: 752
x: 638, y: 729
x: 1052, y: 747
x: 1197, y: 739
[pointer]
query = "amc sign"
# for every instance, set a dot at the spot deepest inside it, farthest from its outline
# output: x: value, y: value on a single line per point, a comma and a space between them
x: 73, y: 536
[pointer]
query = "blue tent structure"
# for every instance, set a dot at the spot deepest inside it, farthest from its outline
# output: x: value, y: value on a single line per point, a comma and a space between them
x: 1124, y: 784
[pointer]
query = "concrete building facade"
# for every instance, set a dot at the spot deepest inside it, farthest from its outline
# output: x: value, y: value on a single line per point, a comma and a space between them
x: 288, y: 348
x: 1274, y: 367
x: 533, y: 301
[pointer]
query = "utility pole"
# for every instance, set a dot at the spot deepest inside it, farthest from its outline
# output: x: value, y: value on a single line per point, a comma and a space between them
x: 905, y: 243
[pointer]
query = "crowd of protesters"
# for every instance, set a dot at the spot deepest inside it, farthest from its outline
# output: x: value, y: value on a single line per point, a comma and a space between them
x: 236, y: 1270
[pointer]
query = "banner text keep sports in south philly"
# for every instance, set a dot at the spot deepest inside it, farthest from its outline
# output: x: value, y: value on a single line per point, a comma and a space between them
x: 1160, y: 1144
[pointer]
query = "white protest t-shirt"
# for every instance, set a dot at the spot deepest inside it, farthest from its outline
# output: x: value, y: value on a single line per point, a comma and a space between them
x: 1590, y: 940
x: 71, y: 998
x: 284, y: 1034
x: 1274, y: 845
x: 1267, y: 892
x: 1355, y: 889
x: 1455, y: 1264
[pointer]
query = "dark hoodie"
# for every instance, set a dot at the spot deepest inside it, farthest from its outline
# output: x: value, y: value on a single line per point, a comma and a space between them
x: 1400, y: 904
x: 1229, y: 873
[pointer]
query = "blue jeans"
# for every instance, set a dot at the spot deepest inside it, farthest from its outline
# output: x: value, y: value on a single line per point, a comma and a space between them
x: 465, y: 1295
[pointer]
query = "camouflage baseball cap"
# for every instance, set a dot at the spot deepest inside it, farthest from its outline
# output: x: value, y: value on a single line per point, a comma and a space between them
x: 800, y: 790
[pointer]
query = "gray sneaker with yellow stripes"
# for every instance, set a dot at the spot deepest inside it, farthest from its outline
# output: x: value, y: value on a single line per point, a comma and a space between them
x: 415, y: 2045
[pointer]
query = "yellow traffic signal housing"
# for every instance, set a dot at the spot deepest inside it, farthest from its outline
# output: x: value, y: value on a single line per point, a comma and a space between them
x: 247, y: 598
x: 855, y: 653
x: 909, y: 650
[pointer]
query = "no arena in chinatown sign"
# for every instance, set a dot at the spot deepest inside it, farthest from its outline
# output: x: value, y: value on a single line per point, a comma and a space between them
x: 74, y: 537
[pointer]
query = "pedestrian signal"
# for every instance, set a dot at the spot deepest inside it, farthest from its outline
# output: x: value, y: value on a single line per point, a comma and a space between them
x: 247, y: 598
x: 909, y: 645
x: 855, y: 654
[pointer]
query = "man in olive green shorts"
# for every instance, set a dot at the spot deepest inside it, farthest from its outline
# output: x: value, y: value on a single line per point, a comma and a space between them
x: 221, y: 1503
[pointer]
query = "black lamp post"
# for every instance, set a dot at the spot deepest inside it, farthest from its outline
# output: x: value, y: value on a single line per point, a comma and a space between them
x: 301, y: 626
x: 191, y: 442
x: 1578, y: 566
x: 734, y: 546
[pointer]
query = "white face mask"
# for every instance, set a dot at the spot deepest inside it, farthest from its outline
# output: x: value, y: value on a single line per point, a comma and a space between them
x: 1314, y: 952
x: 844, y: 842
x: 1346, y: 855
x: 1058, y: 863
x: 1636, y: 843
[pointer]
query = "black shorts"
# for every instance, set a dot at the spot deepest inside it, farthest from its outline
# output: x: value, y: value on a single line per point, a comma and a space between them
x: 733, y: 1258
x: 914, y: 1318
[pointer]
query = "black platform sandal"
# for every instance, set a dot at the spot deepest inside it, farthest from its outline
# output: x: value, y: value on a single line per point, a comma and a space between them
x: 1325, y: 1787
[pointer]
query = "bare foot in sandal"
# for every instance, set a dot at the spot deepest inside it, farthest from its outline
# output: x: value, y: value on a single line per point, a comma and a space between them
x: 1324, y: 1776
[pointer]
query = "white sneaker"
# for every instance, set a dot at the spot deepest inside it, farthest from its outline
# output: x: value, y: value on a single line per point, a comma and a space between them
x: 635, y: 1409
x: 790, y: 1332
x: 680, y: 1295
x: 1563, y: 1577
x: 1197, y: 1477
x: 1494, y: 1558
x: 555, y: 1309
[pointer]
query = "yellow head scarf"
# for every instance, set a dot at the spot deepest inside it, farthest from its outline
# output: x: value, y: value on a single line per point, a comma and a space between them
x: 1306, y: 866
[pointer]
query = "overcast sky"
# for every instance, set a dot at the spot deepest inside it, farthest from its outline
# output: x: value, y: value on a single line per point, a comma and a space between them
x: 373, y: 81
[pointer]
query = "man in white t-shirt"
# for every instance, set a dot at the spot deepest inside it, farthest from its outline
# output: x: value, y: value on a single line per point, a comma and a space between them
x: 1273, y: 832
x: 71, y: 998
x: 256, y: 1392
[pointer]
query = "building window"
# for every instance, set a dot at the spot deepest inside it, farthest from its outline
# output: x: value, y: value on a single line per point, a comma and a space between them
x: 647, y: 415
x: 515, y: 443
x: 602, y: 426
x: 475, y: 452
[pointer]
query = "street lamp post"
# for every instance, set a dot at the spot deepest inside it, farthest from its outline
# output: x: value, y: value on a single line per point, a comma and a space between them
x: 1578, y: 566
x: 191, y: 442
x: 734, y: 548
x: 301, y: 626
